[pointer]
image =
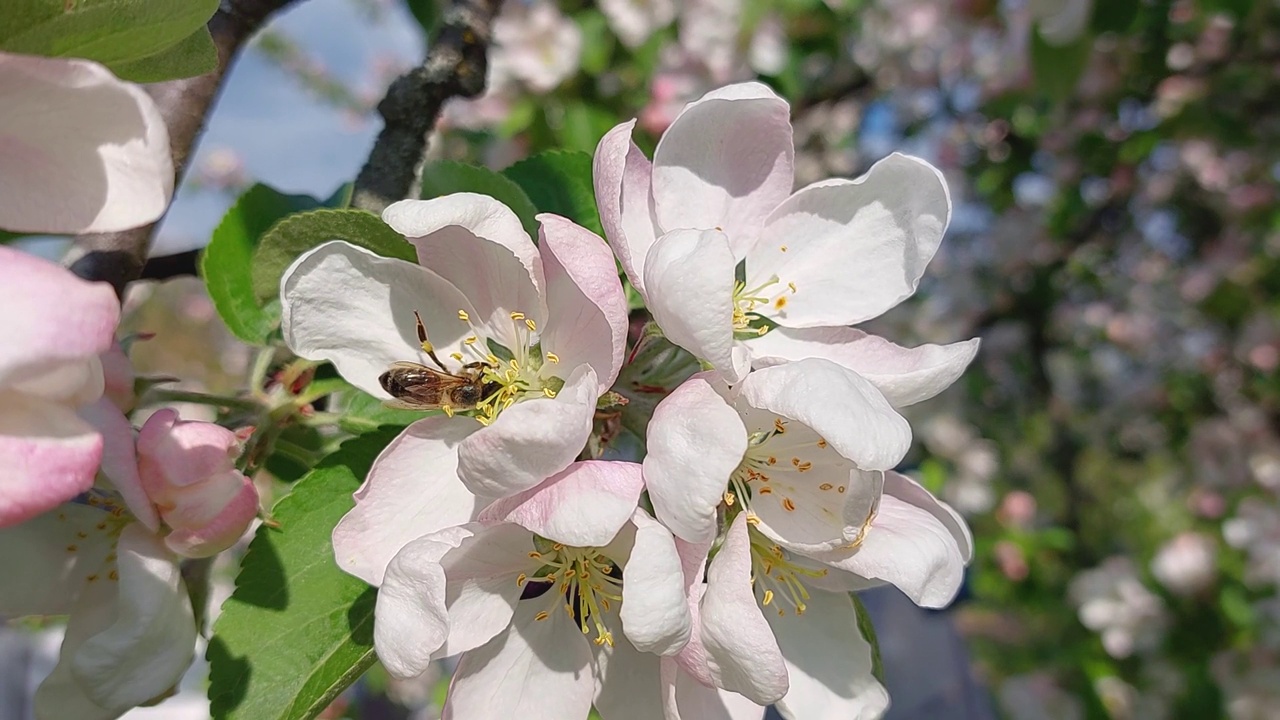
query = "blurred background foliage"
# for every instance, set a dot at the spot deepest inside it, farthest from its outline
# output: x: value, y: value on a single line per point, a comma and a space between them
x: 1115, y: 243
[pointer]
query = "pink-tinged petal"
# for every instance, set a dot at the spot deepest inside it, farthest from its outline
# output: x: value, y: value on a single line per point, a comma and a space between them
x: 584, y: 505
x: 695, y: 441
x: 842, y: 407
x: 536, y: 670
x: 914, y: 548
x: 211, y: 516
x: 742, y: 654
x: 48, y: 455
x: 829, y: 663
x: 478, y: 245
x: 87, y: 153
x: 411, y: 621
x: 628, y: 682
x: 484, y: 583
x: 176, y: 453
x: 586, y: 308
x: 370, y: 323
x: 853, y: 248
x: 128, y: 641
x: 726, y: 162
x: 531, y: 440
x: 622, y: 175
x: 655, y: 609
x: 118, y: 377
x: 904, y: 376
x: 412, y: 490
x: 689, y: 280
x: 46, y: 560
x: 50, y: 315
x: 120, y: 460
x: 687, y: 699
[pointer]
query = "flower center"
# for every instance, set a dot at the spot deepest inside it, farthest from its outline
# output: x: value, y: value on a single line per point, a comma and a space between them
x: 771, y: 452
x: 750, y: 305
x: 509, y: 374
x: 589, y: 581
x: 776, y: 576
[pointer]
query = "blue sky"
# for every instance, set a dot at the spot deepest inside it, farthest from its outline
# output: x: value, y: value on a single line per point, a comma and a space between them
x: 287, y: 139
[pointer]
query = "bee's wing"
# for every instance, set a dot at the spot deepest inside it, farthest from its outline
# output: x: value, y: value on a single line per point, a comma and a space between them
x: 408, y: 405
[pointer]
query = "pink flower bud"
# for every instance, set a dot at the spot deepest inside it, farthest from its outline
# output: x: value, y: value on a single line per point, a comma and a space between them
x: 117, y: 372
x: 188, y: 471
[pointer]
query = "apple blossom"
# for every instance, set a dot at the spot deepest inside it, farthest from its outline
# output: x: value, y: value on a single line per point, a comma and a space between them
x: 717, y: 199
x: 1187, y: 564
x: 633, y: 21
x: 1114, y: 603
x: 54, y: 326
x: 81, y: 151
x: 534, y: 595
x: 110, y: 558
x: 814, y: 515
x: 547, y: 323
x: 537, y: 44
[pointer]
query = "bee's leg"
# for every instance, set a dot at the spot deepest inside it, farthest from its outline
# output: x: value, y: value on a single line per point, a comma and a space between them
x: 427, y: 347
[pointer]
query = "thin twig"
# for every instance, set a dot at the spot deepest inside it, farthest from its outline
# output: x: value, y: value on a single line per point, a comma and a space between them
x: 455, y: 67
x: 118, y: 257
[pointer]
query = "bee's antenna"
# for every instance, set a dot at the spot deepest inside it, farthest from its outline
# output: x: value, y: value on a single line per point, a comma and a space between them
x: 427, y: 347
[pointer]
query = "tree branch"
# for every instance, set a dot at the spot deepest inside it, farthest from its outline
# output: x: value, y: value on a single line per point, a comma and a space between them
x: 118, y: 257
x: 455, y: 66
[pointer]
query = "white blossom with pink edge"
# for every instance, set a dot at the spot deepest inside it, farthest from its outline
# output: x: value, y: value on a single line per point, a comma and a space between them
x: 54, y: 326
x: 550, y: 321
x: 559, y: 598
x: 107, y: 558
x: 817, y: 514
x: 80, y: 150
x: 718, y: 193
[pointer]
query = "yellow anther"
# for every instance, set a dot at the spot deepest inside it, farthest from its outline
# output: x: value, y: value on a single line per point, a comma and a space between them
x: 463, y: 316
x: 822, y: 443
x: 517, y: 316
x: 783, y: 248
x: 541, y: 616
x: 762, y: 330
x: 493, y: 359
x: 840, y: 489
x: 825, y: 486
x: 779, y: 426
x: 804, y: 466
x: 448, y: 410
x: 521, y: 579
x: 553, y: 358
x: 728, y: 498
x: 765, y: 490
x: 471, y: 340
x: 768, y: 597
x: 548, y: 392
x: 529, y: 323
x: 793, y: 287
x: 535, y: 554
x: 786, y: 503
x: 456, y: 356
x: 753, y: 519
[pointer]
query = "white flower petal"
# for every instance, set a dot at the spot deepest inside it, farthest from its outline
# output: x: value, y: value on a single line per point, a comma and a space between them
x: 87, y: 153
x: 622, y: 175
x: 583, y: 506
x: 917, y: 549
x: 689, y: 280
x: 411, y: 621
x: 347, y: 305
x: 742, y: 654
x: 483, y: 584
x: 725, y: 163
x: 687, y: 699
x: 128, y: 641
x: 695, y: 441
x: 531, y: 440
x: 853, y: 248
x: 829, y: 663
x: 842, y: 407
x: 586, y: 308
x: 43, y: 577
x: 655, y: 610
x: 536, y: 670
x: 628, y: 681
x: 412, y: 490
x: 478, y: 245
x: 48, y: 455
x: 912, y: 492
x: 904, y: 376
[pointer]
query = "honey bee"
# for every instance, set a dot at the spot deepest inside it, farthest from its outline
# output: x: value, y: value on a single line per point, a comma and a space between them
x: 419, y: 387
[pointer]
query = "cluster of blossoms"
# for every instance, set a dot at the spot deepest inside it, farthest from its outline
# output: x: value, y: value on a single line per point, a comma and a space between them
x: 710, y: 577
x: 95, y: 516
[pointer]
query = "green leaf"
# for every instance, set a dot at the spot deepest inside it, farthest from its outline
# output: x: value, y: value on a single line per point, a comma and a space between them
x: 559, y: 181
x: 297, y: 630
x: 296, y: 234
x: 362, y: 413
x: 444, y: 178
x: 1057, y: 68
x: 112, y: 32
x: 583, y: 125
x: 427, y: 13
x: 227, y: 263
x: 192, y: 56
x: 869, y: 634
x: 598, y: 41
